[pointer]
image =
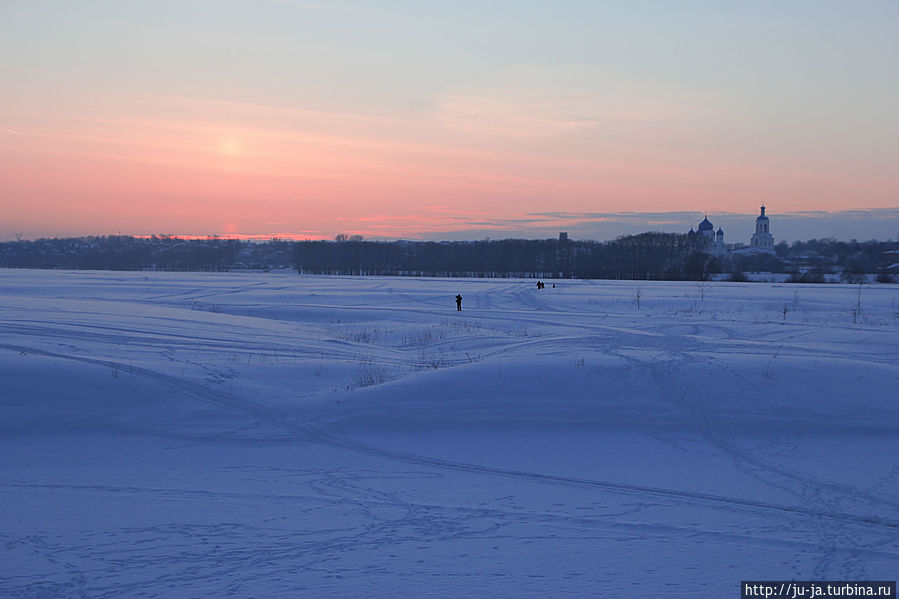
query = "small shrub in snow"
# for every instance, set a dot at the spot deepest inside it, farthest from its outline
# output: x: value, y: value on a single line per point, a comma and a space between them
x: 811, y: 276
x: 372, y: 375
x: 854, y: 276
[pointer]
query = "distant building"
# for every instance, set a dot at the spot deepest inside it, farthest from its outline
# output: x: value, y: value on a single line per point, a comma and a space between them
x: 892, y: 255
x: 716, y: 239
x: 707, y: 229
x: 762, y: 239
x: 563, y: 236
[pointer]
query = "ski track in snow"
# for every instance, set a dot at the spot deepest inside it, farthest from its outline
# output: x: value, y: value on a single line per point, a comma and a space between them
x: 371, y: 502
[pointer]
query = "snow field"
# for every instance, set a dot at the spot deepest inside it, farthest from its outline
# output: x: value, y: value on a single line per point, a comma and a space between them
x: 188, y: 435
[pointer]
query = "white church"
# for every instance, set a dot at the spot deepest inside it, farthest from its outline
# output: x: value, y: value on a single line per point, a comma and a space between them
x: 762, y: 240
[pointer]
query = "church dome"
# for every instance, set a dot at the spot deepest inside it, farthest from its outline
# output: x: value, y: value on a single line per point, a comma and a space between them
x: 705, y: 225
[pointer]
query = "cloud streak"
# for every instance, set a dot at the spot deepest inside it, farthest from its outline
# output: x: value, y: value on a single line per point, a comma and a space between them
x: 437, y: 223
x: 352, y: 117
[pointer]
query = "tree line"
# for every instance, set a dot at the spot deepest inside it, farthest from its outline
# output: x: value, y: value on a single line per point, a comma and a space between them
x: 647, y: 256
x: 123, y: 252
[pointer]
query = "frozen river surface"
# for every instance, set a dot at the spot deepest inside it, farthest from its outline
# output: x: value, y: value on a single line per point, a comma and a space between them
x: 272, y: 435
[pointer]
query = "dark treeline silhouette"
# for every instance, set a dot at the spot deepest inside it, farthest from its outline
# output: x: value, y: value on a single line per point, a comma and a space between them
x: 810, y: 261
x: 867, y: 256
x: 120, y: 252
x: 647, y: 256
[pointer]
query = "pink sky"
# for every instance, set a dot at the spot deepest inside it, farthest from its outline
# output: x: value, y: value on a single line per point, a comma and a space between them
x: 97, y: 149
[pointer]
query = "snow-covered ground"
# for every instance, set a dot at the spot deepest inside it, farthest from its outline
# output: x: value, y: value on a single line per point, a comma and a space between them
x: 200, y: 435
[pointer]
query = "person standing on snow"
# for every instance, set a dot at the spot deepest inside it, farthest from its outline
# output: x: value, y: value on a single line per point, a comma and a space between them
x: 459, y: 302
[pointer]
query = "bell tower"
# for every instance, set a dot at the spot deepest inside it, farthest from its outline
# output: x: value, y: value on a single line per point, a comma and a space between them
x: 762, y: 239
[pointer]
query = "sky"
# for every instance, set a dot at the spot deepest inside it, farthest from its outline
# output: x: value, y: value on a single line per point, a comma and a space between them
x: 448, y: 120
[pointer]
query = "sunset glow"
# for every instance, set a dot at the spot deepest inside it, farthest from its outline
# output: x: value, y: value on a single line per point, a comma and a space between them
x: 303, y: 121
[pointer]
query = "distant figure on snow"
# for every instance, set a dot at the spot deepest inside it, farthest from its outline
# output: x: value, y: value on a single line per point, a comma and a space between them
x: 459, y: 302
x: 539, y: 284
